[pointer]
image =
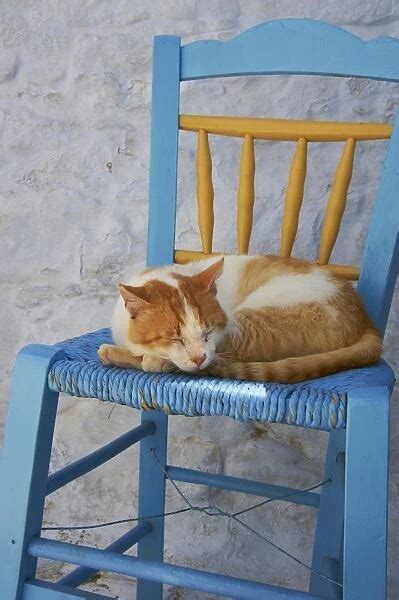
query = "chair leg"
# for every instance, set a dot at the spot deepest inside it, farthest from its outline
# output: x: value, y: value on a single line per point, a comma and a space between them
x: 152, y: 498
x: 25, y: 464
x: 366, y: 494
x: 327, y: 550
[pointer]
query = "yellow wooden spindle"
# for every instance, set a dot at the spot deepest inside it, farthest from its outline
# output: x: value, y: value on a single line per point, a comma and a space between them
x: 294, y: 197
x: 337, y: 202
x: 205, y: 192
x: 246, y: 195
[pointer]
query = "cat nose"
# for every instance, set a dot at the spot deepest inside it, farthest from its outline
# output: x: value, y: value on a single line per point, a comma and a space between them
x: 198, y: 359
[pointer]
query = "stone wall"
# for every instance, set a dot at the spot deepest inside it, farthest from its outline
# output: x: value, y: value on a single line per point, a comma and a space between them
x: 75, y: 83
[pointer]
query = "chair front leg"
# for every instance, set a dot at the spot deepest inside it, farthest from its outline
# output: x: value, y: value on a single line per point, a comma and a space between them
x: 366, y: 494
x: 24, y: 469
x: 327, y: 550
x: 152, y: 498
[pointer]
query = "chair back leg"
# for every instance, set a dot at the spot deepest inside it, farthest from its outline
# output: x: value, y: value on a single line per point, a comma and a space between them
x: 152, y: 498
x: 366, y: 494
x: 25, y: 464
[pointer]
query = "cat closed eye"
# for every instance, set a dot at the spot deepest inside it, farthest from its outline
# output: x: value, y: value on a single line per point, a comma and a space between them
x: 176, y: 340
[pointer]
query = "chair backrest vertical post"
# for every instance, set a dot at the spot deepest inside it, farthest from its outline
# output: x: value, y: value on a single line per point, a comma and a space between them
x: 380, y: 262
x: 164, y: 145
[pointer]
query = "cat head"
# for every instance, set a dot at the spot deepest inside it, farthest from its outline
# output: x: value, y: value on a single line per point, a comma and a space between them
x: 182, y: 321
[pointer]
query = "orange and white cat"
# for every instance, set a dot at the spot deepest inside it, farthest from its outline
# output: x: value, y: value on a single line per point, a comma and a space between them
x: 244, y: 317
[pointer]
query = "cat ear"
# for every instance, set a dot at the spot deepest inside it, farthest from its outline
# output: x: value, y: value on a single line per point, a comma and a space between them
x: 134, y: 298
x: 206, y: 279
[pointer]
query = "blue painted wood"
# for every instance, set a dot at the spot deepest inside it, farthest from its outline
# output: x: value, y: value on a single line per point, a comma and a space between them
x: 164, y: 140
x: 126, y: 541
x: 380, y: 261
x: 366, y: 494
x: 287, y: 46
x: 222, y: 585
x: 327, y: 548
x: 26, y: 456
x: 152, y: 498
x: 44, y: 590
x: 95, y: 459
x: 247, y: 486
x: 292, y: 46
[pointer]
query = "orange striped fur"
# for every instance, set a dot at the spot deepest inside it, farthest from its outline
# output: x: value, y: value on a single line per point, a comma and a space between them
x: 257, y: 318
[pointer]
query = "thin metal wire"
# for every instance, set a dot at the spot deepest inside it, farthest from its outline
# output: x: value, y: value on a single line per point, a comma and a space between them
x: 259, y: 504
x: 219, y: 512
x: 118, y: 522
x: 211, y: 511
x: 179, y: 511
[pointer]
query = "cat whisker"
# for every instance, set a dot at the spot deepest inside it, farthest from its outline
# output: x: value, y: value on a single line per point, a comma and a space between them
x: 224, y: 354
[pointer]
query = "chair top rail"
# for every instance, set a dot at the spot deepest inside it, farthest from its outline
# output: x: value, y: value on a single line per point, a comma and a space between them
x: 292, y: 47
x: 285, y: 129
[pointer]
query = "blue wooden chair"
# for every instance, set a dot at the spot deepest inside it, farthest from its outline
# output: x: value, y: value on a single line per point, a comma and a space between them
x: 349, y: 558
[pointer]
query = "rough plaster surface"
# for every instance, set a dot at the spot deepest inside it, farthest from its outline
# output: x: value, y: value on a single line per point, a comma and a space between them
x: 75, y: 106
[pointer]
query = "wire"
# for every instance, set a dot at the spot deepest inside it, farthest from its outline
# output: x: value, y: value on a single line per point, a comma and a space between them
x: 223, y: 513
x: 259, y: 504
x: 179, y: 511
x: 118, y: 522
x: 211, y: 511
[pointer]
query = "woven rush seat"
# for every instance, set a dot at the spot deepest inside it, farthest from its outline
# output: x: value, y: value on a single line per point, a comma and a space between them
x: 317, y: 403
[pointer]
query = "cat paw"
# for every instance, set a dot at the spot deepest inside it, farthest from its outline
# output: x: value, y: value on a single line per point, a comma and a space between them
x: 154, y: 364
x: 118, y: 357
x: 105, y: 353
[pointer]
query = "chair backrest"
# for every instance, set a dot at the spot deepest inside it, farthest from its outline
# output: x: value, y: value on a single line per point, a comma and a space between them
x: 290, y: 46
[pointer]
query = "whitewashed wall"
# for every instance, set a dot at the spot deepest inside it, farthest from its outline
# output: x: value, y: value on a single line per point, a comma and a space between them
x: 75, y: 109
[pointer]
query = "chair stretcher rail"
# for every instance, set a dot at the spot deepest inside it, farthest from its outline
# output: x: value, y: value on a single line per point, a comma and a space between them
x: 126, y: 541
x: 36, y: 589
x: 247, y: 486
x: 103, y: 560
x: 95, y: 459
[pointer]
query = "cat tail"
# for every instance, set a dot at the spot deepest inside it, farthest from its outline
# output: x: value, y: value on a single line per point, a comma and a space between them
x: 366, y: 351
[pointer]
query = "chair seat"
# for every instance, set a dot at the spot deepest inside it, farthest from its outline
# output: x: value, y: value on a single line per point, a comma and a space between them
x: 317, y: 403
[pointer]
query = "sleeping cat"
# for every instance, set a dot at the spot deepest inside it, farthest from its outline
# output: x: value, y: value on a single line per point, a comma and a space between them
x: 244, y: 317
